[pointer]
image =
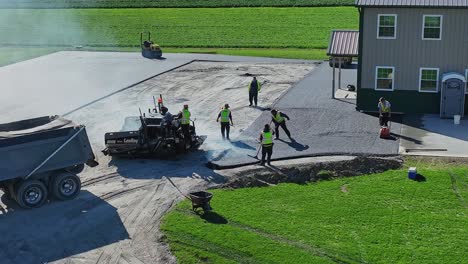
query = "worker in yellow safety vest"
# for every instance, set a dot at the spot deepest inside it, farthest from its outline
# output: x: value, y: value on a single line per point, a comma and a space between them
x: 225, y: 116
x: 184, y: 118
x: 279, y: 119
x: 266, y: 139
x: 385, y: 111
x: 254, y: 88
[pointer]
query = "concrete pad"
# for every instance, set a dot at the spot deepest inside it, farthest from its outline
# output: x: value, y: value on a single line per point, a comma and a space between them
x: 429, y: 135
x: 320, y: 125
x: 345, y: 94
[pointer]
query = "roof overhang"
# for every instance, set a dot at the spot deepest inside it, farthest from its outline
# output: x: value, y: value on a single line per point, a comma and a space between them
x: 412, y: 3
x: 344, y: 43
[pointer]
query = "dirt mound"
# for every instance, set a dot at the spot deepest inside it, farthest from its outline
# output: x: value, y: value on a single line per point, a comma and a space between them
x: 310, y: 170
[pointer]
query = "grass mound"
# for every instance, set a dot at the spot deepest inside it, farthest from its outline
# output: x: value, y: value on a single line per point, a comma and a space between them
x: 382, y: 218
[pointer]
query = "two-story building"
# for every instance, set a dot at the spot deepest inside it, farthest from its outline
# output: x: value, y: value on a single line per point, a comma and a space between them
x: 415, y: 53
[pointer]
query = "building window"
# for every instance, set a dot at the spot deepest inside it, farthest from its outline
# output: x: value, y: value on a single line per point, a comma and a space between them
x: 432, y: 27
x: 429, y: 80
x: 384, y: 78
x: 387, y: 25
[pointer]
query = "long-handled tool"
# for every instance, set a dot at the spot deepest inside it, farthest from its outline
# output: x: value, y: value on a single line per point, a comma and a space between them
x: 258, y: 151
x: 177, y: 188
x: 259, y: 147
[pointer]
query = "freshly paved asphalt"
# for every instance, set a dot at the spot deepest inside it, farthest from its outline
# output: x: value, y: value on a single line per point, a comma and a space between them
x: 320, y: 125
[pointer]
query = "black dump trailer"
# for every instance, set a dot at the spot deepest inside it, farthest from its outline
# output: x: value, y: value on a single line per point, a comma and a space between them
x: 41, y: 157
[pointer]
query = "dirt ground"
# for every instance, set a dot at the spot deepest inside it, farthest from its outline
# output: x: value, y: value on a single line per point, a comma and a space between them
x: 116, y: 217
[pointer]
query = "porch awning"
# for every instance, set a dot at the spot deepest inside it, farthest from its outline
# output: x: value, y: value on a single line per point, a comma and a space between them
x: 343, y: 43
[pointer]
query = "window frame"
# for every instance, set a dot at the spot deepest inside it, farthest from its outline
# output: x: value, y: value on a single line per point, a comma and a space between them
x: 441, y: 27
x: 437, y: 81
x: 395, y: 26
x: 377, y: 75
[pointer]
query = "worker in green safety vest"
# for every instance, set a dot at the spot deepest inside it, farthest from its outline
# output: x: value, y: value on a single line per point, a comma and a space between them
x: 254, y: 87
x: 225, y: 116
x: 266, y: 139
x: 385, y: 111
x: 184, y: 118
x: 279, y: 119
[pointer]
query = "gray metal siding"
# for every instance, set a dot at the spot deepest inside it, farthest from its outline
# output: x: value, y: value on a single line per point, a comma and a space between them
x: 408, y: 52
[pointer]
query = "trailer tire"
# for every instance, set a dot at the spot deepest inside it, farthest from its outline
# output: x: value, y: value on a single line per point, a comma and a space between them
x: 31, y: 194
x: 66, y: 186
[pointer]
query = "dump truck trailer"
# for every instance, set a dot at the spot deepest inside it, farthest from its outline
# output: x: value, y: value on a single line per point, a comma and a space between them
x: 43, y: 156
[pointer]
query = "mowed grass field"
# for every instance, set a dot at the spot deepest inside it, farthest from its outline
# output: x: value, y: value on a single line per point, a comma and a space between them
x: 382, y: 218
x: 165, y: 3
x: 177, y: 27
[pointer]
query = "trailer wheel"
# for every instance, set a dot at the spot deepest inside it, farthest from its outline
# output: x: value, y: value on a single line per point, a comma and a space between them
x: 31, y: 194
x: 66, y: 186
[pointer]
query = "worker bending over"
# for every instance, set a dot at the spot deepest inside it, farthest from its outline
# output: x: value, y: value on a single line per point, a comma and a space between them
x: 385, y: 111
x: 254, y: 88
x: 184, y: 117
x: 279, y: 119
x: 266, y: 139
x: 226, y: 116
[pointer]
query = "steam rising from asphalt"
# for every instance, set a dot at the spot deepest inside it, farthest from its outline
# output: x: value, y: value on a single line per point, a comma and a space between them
x: 43, y: 27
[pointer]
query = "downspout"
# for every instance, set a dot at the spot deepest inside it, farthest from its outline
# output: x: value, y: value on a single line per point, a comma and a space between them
x: 360, y: 48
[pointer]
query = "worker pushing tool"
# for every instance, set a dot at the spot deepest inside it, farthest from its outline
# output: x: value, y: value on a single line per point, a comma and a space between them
x: 266, y: 139
x: 385, y: 113
x: 226, y: 121
x: 279, y: 119
x: 254, y: 88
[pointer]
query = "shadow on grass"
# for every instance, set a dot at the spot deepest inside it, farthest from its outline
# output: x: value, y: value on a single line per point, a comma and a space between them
x: 419, y: 178
x: 214, y: 218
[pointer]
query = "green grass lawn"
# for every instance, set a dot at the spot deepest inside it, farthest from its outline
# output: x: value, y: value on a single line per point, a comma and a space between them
x: 382, y: 218
x: 177, y: 27
x: 165, y: 3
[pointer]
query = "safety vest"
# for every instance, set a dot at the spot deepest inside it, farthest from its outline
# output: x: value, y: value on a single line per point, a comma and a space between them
x: 259, y: 86
x: 267, y: 139
x: 225, y: 115
x: 185, y: 117
x: 385, y: 107
x: 278, y: 118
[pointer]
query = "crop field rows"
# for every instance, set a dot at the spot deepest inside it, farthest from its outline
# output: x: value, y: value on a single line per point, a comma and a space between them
x: 177, y: 27
x: 166, y: 3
